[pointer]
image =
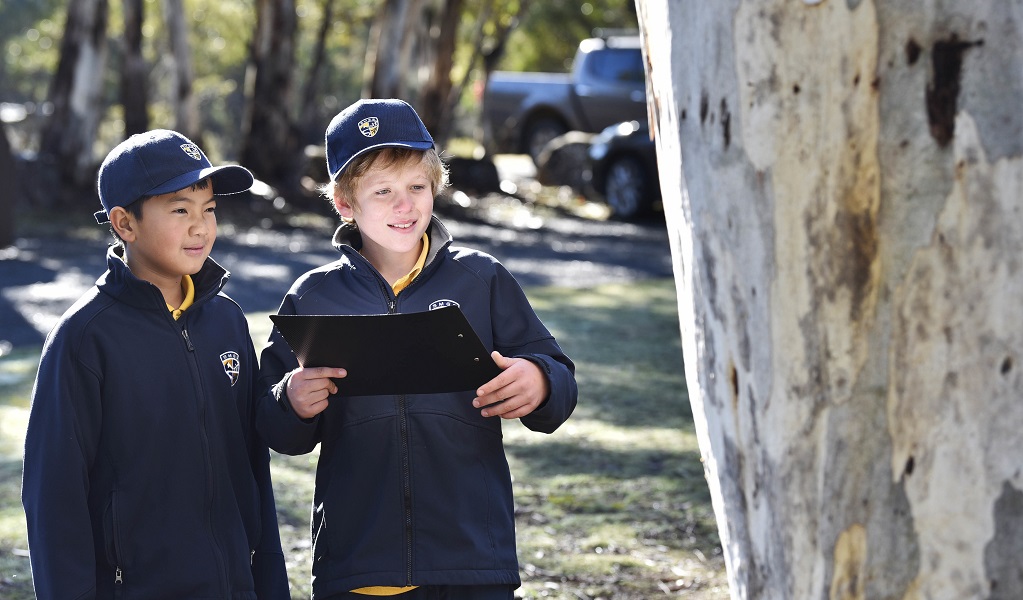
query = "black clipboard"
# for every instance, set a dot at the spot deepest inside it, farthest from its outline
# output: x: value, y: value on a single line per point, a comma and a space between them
x: 406, y: 353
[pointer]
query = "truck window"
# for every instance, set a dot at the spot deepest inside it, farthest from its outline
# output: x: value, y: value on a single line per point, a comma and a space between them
x: 621, y: 65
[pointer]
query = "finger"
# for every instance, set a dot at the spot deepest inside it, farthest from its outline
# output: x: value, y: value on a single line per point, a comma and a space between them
x: 511, y: 408
x: 503, y: 378
x: 323, y: 372
x: 496, y: 395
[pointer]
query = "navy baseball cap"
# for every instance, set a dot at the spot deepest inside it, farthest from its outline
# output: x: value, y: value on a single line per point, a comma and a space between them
x: 370, y: 125
x: 159, y: 162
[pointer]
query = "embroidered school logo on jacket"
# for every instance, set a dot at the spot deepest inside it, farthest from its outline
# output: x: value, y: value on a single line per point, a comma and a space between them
x: 442, y: 304
x: 369, y: 126
x: 192, y: 150
x: 232, y: 365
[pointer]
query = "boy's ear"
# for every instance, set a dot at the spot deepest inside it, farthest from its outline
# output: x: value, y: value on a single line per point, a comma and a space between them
x: 123, y: 223
x: 343, y: 207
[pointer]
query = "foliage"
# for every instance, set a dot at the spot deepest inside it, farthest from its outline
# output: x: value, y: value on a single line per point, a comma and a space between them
x: 30, y: 33
x: 550, y: 32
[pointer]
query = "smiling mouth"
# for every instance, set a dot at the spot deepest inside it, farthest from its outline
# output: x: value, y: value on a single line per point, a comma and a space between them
x: 403, y: 225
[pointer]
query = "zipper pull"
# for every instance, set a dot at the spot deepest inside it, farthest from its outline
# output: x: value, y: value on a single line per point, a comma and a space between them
x: 184, y: 334
x: 390, y: 306
x: 252, y: 557
x: 118, y: 580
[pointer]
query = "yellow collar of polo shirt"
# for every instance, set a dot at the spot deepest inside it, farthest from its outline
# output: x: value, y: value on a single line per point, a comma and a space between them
x: 402, y: 283
x: 189, y: 288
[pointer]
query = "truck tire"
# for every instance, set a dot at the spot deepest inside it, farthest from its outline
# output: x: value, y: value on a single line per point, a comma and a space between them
x: 539, y: 133
x: 627, y: 188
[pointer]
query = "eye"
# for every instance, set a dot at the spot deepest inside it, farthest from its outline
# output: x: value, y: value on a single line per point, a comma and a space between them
x: 383, y: 192
x: 418, y: 187
x: 211, y: 209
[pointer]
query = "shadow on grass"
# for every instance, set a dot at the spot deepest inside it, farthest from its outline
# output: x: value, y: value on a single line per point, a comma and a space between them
x: 579, y: 458
x: 625, y: 341
x: 15, y: 570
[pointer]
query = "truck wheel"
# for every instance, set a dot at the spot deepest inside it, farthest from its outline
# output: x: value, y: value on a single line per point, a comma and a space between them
x: 539, y: 133
x: 627, y: 188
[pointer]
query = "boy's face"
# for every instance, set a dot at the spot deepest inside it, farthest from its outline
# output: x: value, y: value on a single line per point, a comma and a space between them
x: 173, y: 238
x: 394, y: 205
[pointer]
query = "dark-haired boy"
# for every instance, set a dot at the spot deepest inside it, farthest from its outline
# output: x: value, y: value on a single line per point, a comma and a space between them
x: 144, y: 476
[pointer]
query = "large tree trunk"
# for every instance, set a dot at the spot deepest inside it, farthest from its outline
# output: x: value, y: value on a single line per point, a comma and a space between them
x: 847, y: 229
x: 77, y: 98
x: 182, y: 97
x: 394, y: 31
x: 433, y: 100
x: 134, y: 74
x: 310, y: 119
x: 270, y: 148
x: 8, y: 191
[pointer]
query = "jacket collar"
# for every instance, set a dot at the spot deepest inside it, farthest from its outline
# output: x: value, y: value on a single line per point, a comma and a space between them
x: 121, y: 283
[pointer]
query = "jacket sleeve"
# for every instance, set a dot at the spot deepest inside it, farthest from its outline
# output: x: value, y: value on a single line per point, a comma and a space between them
x: 276, y: 422
x: 60, y: 445
x: 519, y: 332
x: 269, y: 572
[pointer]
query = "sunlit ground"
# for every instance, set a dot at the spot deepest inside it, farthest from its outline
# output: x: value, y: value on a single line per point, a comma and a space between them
x: 612, y: 505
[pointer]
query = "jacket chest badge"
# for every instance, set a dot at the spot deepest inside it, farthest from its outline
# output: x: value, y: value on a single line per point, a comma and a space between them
x: 232, y: 365
x: 442, y: 304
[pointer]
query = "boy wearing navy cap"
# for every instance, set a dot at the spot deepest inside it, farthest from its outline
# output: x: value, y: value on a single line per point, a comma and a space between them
x: 413, y: 493
x: 144, y: 476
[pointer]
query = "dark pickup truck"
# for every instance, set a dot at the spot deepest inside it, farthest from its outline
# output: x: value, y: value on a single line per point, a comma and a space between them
x: 607, y: 85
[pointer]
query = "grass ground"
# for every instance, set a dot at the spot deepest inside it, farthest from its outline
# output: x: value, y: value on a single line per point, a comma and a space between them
x: 613, y: 505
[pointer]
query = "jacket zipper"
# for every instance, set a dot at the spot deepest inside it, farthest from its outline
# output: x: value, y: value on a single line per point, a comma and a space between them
x: 204, y: 435
x: 406, y: 475
x: 406, y: 480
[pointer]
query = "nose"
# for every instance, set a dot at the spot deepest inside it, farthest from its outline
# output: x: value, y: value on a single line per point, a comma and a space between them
x: 402, y: 202
x: 203, y: 223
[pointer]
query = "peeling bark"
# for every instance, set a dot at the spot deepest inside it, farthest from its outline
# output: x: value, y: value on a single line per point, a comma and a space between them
x: 847, y: 236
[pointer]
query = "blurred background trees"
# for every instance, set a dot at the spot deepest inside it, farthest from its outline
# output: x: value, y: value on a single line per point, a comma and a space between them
x: 257, y: 82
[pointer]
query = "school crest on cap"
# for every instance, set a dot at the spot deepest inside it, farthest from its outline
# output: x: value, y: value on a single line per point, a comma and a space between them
x: 232, y: 365
x: 192, y: 150
x: 369, y: 126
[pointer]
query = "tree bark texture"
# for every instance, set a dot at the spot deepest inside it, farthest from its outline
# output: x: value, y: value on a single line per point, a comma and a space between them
x: 434, y: 106
x: 134, y: 71
x: 271, y: 149
x: 9, y: 191
x: 77, y: 98
x: 391, y: 39
x: 843, y: 185
x: 182, y: 96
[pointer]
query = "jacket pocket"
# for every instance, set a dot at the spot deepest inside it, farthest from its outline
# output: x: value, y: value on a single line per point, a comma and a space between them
x: 111, y: 538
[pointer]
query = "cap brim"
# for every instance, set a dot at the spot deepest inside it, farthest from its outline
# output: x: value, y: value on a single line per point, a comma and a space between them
x: 226, y: 179
x: 422, y: 145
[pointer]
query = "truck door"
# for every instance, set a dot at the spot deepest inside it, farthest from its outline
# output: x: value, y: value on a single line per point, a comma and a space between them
x: 611, y: 87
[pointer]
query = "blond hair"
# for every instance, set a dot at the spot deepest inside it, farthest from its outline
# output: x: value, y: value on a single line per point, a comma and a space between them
x: 347, y: 182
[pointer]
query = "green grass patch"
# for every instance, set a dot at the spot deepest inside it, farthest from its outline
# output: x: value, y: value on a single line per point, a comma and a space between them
x: 612, y: 505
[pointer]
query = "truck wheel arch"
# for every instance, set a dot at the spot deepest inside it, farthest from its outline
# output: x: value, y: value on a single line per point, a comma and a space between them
x: 540, y: 128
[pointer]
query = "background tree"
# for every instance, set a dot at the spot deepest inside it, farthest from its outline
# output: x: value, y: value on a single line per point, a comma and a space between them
x: 226, y: 73
x: 433, y: 98
x: 271, y: 147
x: 134, y: 71
x: 182, y: 98
x: 391, y: 39
x: 76, y: 94
x: 8, y: 191
x: 846, y: 228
